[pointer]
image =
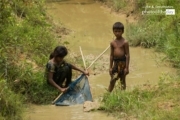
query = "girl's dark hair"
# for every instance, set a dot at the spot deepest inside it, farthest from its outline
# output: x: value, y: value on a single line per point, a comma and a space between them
x: 51, y: 55
x: 119, y: 26
x: 59, y: 51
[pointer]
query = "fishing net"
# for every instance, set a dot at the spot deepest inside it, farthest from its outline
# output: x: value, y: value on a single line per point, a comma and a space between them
x: 78, y: 93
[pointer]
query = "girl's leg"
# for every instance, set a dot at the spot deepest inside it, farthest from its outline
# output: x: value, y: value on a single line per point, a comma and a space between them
x: 64, y: 76
x: 68, y: 76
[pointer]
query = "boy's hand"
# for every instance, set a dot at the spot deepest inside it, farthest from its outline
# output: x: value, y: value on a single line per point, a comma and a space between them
x: 86, y: 72
x: 110, y: 71
x: 126, y: 71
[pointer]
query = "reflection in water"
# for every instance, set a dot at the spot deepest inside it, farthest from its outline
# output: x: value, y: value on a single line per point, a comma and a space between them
x: 92, y: 30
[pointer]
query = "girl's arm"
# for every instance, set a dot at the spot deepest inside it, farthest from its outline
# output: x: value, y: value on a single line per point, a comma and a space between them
x: 82, y: 71
x: 51, y: 81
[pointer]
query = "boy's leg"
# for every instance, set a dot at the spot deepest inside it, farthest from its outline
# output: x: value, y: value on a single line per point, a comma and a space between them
x: 112, y: 83
x: 123, y: 82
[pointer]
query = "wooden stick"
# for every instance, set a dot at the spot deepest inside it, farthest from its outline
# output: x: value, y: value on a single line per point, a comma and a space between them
x: 82, y: 57
x: 57, y: 98
x: 84, y: 65
x: 98, y: 57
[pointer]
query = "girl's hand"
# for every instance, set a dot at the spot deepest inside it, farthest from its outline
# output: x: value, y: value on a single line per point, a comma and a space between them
x: 66, y: 89
x: 86, y: 72
x: 63, y: 90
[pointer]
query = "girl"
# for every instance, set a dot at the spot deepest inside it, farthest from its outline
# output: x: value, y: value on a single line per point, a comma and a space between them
x: 58, y: 71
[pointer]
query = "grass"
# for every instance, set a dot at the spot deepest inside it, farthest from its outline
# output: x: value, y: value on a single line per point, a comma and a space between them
x: 26, y: 43
x: 27, y: 38
x: 158, y: 31
x: 146, y: 102
x: 11, y: 106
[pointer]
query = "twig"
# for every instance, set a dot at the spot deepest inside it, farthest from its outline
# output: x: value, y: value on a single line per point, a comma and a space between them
x: 98, y: 57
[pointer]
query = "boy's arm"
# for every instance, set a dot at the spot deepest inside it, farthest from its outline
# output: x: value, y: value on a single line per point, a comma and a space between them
x: 111, y: 58
x: 51, y: 81
x: 82, y: 71
x: 127, y: 55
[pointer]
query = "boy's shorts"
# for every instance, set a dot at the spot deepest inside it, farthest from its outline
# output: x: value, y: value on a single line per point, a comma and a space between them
x: 118, y: 67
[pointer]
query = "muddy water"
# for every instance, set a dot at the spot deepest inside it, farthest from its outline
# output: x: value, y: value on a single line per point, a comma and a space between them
x: 91, y: 26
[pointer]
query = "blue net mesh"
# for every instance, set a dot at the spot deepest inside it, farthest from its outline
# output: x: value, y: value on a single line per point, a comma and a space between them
x: 78, y: 93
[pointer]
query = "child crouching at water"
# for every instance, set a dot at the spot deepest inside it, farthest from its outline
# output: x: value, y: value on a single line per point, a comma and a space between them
x: 59, y: 71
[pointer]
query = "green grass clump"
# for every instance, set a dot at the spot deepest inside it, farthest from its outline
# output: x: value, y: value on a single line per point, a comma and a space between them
x: 11, y: 106
x: 27, y: 39
x: 159, y: 31
x: 146, y: 102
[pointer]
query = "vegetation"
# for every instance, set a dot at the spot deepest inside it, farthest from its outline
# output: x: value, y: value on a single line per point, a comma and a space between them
x: 10, y: 103
x: 159, y: 31
x: 148, y: 102
x: 27, y: 38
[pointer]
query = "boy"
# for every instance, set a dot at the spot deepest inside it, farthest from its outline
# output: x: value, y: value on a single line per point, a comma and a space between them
x: 119, y: 57
x: 58, y: 71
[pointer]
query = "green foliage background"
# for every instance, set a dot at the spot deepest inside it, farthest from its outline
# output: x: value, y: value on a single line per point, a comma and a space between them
x: 26, y: 40
x: 158, y: 31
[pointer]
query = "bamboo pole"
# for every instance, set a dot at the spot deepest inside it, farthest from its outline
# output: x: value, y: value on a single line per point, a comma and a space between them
x: 82, y: 57
x: 85, y: 66
x: 98, y: 57
x: 57, y: 98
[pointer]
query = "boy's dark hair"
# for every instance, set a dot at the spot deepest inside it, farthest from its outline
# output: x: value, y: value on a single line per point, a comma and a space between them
x: 119, y: 26
x: 59, y: 51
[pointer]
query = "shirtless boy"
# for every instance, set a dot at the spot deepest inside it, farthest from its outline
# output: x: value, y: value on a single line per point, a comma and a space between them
x: 119, y: 57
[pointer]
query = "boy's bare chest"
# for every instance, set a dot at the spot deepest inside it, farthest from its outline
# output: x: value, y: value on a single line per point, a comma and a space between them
x: 118, y: 44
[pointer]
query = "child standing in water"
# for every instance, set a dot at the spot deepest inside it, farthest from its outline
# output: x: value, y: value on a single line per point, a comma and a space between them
x: 58, y: 71
x: 119, y: 57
